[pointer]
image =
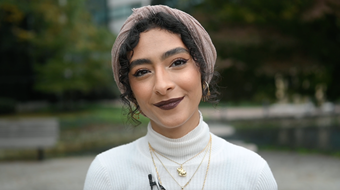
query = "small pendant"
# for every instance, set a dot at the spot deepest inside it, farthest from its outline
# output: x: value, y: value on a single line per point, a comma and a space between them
x: 181, y: 172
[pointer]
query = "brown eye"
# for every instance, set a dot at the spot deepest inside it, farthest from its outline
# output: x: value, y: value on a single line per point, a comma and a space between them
x: 141, y: 72
x: 179, y: 62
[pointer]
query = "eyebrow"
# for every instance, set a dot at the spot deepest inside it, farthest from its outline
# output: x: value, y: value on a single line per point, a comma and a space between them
x: 137, y: 62
x: 167, y: 54
x: 173, y: 52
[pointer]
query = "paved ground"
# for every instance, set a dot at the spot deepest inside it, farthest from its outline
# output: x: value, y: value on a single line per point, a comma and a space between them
x: 291, y: 170
x: 52, y: 174
x: 294, y: 171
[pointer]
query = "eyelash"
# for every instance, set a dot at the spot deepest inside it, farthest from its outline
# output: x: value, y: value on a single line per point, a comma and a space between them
x: 183, y: 61
x: 139, y: 73
x: 142, y: 72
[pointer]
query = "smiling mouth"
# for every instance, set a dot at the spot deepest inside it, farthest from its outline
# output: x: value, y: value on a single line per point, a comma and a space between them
x: 169, y: 104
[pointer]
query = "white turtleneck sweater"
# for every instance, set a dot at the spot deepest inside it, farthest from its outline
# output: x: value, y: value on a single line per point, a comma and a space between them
x: 231, y: 167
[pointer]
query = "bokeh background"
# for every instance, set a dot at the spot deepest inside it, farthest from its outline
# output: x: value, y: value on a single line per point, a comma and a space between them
x: 279, y: 84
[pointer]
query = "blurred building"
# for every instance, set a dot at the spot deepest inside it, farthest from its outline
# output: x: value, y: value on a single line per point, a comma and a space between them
x: 99, y: 11
x: 113, y: 13
x: 119, y: 11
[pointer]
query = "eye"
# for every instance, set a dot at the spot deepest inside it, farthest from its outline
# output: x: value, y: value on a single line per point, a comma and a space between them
x: 140, y: 72
x: 179, y: 62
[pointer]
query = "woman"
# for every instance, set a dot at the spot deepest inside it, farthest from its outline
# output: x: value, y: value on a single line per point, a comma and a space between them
x: 163, y: 61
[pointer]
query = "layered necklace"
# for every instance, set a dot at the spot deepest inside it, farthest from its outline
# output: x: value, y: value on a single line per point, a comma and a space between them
x: 181, y: 172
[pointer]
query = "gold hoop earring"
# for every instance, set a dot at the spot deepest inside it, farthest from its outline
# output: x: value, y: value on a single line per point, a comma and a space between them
x: 206, y: 88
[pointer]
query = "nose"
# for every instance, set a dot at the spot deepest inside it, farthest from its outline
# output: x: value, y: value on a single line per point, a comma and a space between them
x: 163, y: 83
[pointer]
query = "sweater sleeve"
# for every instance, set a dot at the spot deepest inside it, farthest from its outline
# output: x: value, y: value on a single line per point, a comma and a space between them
x: 97, y: 177
x: 266, y: 180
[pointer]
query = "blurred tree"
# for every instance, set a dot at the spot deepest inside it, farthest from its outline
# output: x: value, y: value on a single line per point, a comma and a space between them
x: 69, y: 53
x: 258, y: 39
x: 15, y: 69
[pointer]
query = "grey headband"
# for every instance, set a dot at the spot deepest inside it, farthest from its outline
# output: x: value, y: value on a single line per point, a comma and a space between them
x: 198, y: 33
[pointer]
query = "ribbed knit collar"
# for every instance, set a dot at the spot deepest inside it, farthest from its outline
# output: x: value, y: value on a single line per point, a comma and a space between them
x: 184, y: 147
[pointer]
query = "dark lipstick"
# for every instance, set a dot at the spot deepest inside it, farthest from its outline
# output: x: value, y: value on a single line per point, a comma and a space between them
x: 169, y: 104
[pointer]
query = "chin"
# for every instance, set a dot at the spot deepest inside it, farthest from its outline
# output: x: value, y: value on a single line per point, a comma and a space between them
x: 175, y: 122
x: 171, y: 122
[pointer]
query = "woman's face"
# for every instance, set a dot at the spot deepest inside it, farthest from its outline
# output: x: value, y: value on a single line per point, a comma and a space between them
x: 166, y: 83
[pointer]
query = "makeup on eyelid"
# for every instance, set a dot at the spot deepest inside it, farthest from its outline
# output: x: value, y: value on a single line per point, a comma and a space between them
x: 183, y: 62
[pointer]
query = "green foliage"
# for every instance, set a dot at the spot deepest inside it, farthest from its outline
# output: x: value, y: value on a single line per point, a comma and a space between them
x: 79, y: 63
x: 69, y: 53
x: 59, y: 76
x: 258, y: 39
x: 93, y: 115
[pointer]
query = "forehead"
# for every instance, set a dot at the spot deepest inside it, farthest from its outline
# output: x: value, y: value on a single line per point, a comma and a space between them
x: 155, y: 42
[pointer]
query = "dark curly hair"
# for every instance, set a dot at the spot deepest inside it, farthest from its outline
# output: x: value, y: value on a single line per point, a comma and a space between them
x: 171, y: 24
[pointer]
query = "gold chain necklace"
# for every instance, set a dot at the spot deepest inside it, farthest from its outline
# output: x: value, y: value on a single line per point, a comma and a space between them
x: 181, y: 172
x: 182, y: 187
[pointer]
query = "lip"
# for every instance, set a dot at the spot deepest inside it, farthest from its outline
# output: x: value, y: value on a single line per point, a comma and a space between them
x: 169, y: 104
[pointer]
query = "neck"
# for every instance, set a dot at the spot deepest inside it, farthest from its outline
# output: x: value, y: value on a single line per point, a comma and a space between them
x: 178, y: 131
x: 183, y: 147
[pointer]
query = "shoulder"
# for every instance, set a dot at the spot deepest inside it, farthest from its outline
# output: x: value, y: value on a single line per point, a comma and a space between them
x: 248, y: 167
x: 236, y: 157
x: 110, y: 165
x: 234, y: 152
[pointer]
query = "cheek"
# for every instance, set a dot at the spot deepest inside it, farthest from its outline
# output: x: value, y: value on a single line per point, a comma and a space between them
x: 191, y: 81
x: 140, y: 91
